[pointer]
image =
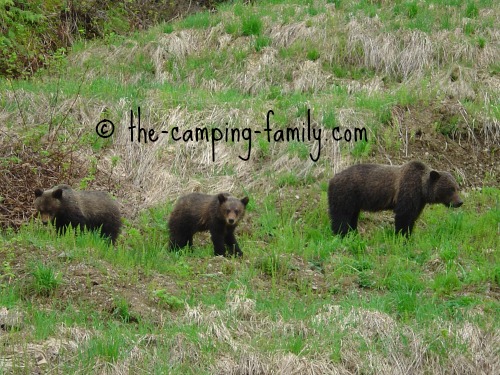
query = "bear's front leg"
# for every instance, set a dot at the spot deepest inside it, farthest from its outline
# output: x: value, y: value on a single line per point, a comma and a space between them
x: 404, y: 223
x: 218, y: 241
x: 232, y: 244
x: 408, y: 209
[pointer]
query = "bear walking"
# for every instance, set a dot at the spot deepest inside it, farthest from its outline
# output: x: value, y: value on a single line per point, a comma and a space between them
x: 404, y: 189
x: 91, y: 210
x: 219, y: 214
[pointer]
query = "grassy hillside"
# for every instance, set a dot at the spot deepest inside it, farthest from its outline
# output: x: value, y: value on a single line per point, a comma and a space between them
x: 419, y: 79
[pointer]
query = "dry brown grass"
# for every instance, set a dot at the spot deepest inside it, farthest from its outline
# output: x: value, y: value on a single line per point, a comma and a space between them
x: 286, y: 35
x: 36, y: 358
x: 310, y: 77
x: 399, y: 54
x: 371, y: 341
x: 241, y: 328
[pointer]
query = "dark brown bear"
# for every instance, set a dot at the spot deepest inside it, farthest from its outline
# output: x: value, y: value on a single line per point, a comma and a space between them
x: 91, y: 210
x: 219, y: 214
x: 405, y: 190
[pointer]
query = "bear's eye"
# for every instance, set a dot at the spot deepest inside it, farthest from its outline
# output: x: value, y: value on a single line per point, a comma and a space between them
x: 228, y: 211
x: 237, y: 212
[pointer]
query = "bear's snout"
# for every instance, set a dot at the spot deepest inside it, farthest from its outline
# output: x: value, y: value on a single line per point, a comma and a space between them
x: 231, y: 221
x: 45, y: 218
x: 456, y: 201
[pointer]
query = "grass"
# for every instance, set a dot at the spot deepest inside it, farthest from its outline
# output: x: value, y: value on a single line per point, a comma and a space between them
x: 369, y: 303
x: 45, y: 279
x: 280, y: 299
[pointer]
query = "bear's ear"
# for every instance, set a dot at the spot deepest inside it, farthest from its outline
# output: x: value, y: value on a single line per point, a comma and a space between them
x: 38, y: 193
x: 57, y: 193
x: 222, y: 198
x: 245, y: 201
x: 435, y: 175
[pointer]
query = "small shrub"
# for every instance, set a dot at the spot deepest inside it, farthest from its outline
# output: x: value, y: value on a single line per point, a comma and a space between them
x: 105, y: 348
x: 251, y: 25
x: 45, y: 279
x: 471, y: 11
x: 261, y: 42
x: 446, y: 283
x: 365, y: 280
x: 121, y: 310
x: 330, y: 119
x: 272, y: 265
x: 313, y: 54
x: 231, y: 28
x: 481, y: 42
x: 167, y: 299
x: 412, y: 9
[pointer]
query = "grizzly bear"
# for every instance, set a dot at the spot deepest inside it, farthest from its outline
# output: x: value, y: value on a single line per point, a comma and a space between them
x: 404, y: 189
x: 91, y: 210
x: 219, y: 214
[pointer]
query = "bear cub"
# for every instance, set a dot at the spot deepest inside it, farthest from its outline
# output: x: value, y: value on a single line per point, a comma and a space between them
x: 90, y: 210
x: 404, y: 189
x: 219, y: 214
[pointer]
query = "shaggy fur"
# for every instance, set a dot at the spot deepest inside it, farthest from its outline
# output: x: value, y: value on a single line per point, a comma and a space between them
x: 219, y: 214
x: 91, y: 210
x: 405, y: 190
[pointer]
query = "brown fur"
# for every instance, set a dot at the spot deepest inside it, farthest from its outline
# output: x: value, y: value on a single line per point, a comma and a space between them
x: 405, y: 189
x: 219, y: 214
x: 91, y: 210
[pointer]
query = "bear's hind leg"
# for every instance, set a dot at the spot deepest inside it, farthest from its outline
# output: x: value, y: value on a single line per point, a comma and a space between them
x: 342, y: 224
x: 353, y: 222
x: 179, y: 241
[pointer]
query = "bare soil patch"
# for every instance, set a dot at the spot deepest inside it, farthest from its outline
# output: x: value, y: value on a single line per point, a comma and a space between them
x: 468, y: 152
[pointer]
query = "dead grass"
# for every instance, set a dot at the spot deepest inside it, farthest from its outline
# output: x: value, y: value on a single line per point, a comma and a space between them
x: 407, y: 351
x: 402, y: 55
x: 39, y: 357
x: 310, y: 78
x: 280, y: 363
x: 285, y: 35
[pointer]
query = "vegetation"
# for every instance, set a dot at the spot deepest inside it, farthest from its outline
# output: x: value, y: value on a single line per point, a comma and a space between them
x: 419, y: 77
x: 34, y: 32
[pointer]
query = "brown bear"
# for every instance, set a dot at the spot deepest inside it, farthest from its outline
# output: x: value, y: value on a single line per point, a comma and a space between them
x: 219, y: 214
x: 404, y: 189
x: 91, y: 210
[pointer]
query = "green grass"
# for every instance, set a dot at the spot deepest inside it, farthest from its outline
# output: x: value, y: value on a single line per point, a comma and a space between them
x: 45, y: 279
x: 438, y: 275
x: 251, y: 25
x: 201, y: 20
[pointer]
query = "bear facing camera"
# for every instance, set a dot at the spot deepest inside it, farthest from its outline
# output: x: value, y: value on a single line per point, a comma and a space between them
x: 219, y: 214
x: 88, y: 210
x: 404, y: 189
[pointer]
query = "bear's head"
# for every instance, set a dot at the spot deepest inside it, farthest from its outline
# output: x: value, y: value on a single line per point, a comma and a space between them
x: 444, y: 189
x: 48, y: 203
x: 231, y: 209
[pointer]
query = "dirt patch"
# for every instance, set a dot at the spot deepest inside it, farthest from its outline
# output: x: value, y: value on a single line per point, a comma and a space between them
x: 23, y: 170
x: 443, y: 136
